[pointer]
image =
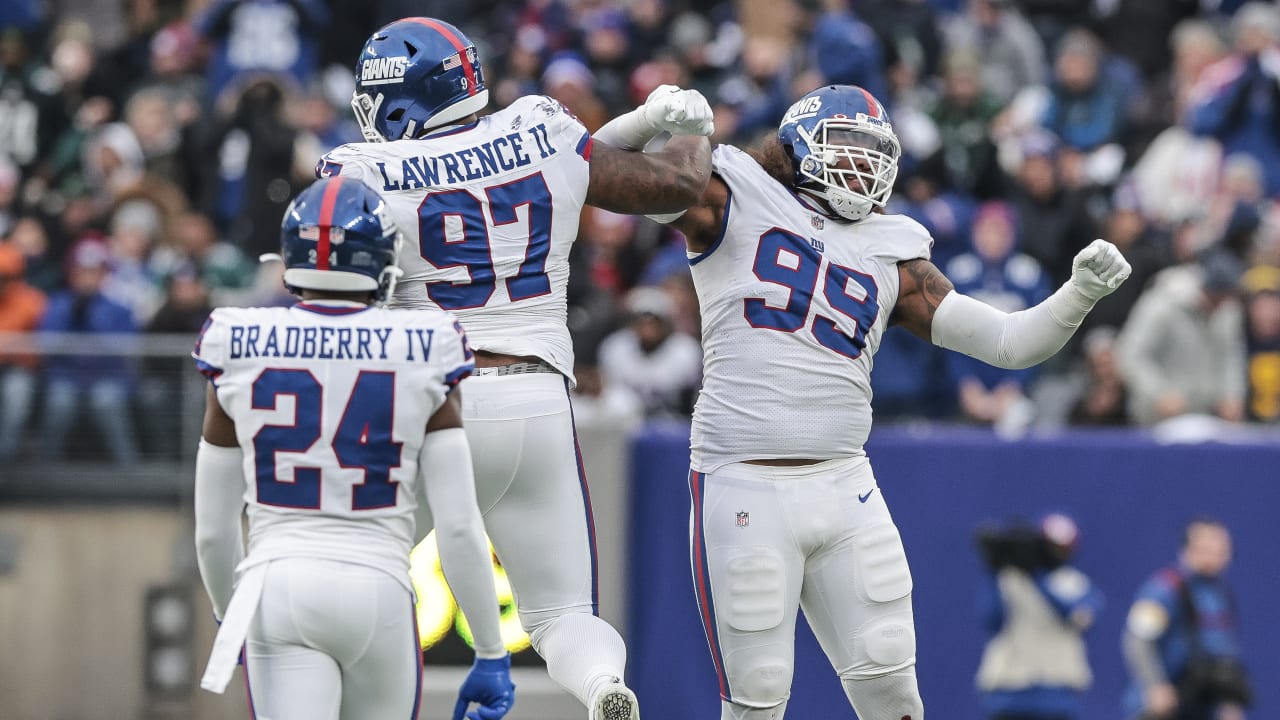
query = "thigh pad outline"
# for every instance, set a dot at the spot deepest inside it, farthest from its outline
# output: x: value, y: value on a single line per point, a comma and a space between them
x: 756, y: 585
x: 882, y: 563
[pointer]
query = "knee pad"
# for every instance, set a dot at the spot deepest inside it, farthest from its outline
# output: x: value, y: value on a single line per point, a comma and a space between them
x: 889, y: 641
x: 756, y: 592
x: 882, y: 563
x: 735, y: 711
x: 757, y: 680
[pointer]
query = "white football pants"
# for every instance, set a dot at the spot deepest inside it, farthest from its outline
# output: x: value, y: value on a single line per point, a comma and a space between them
x: 333, y: 641
x: 766, y: 541
x: 532, y: 491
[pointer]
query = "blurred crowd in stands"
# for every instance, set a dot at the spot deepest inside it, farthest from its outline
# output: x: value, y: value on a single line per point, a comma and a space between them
x: 148, y: 149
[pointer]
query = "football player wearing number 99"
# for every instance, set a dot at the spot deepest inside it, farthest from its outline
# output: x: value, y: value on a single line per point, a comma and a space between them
x: 490, y: 207
x: 798, y: 275
x: 338, y: 424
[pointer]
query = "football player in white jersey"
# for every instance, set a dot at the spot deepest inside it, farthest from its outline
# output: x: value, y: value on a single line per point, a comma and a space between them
x: 490, y: 207
x: 798, y: 276
x: 338, y: 424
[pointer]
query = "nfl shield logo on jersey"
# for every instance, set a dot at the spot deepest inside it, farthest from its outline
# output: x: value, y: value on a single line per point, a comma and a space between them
x: 817, y: 222
x: 744, y: 518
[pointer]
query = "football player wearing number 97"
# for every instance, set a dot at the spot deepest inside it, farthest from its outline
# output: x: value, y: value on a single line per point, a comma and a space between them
x: 490, y: 206
x: 798, y: 274
x: 338, y: 424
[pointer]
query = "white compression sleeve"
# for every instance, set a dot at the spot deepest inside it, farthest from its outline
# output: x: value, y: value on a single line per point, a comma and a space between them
x: 629, y: 131
x: 219, y: 503
x: 449, y: 486
x: 1009, y: 340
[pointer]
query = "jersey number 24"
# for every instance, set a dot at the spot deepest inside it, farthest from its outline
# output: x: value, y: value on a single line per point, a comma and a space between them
x: 786, y: 259
x: 362, y: 441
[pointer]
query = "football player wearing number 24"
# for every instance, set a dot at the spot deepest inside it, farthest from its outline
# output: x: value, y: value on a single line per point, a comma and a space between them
x: 338, y: 424
x: 798, y: 273
x: 490, y: 206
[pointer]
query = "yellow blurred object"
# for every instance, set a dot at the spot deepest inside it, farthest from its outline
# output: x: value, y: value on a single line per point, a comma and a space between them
x: 437, y: 610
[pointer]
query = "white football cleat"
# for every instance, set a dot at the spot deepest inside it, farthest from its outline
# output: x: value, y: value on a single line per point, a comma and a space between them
x: 615, y: 702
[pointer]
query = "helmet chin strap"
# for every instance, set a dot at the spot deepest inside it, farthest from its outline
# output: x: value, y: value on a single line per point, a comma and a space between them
x: 837, y: 203
x: 847, y: 205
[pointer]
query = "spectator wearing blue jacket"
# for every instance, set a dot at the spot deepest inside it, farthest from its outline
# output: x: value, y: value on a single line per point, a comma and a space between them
x: 997, y: 274
x: 1087, y: 107
x: 1182, y: 641
x: 104, y: 383
x: 1238, y: 101
x: 261, y: 36
x: 1036, y: 608
x: 846, y: 51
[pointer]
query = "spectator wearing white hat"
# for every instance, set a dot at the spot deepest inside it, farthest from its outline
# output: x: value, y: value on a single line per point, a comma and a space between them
x: 660, y: 366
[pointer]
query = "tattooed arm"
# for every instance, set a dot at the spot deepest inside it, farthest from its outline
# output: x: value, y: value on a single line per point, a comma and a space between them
x: 922, y: 288
x: 929, y: 307
x: 667, y: 181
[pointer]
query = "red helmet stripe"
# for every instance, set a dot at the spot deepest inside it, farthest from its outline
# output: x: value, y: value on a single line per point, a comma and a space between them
x: 326, y: 221
x: 467, y: 69
x: 873, y: 105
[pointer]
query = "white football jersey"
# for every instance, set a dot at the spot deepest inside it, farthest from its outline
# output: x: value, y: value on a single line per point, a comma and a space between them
x: 793, y: 307
x: 489, y: 211
x: 330, y: 403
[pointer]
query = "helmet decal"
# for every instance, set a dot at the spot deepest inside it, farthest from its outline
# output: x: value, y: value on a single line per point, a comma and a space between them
x: 337, y: 236
x: 843, y: 149
x: 413, y: 75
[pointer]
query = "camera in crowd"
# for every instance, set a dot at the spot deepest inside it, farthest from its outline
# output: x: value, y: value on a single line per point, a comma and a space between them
x: 1032, y: 547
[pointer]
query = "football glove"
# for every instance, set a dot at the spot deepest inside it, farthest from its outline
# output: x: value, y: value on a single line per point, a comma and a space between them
x: 489, y: 686
x: 679, y: 112
x: 1098, y: 270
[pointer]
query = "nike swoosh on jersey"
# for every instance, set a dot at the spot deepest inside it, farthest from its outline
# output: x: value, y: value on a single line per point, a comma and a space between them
x: 863, y: 498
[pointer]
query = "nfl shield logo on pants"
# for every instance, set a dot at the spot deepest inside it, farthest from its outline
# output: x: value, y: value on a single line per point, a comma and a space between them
x: 744, y: 518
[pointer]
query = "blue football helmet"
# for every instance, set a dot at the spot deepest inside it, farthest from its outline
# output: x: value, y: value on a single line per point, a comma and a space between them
x: 414, y: 74
x: 337, y: 236
x: 843, y: 149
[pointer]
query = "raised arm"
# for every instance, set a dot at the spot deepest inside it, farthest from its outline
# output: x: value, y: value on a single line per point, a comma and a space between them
x: 661, y: 182
x: 635, y: 183
x: 931, y: 309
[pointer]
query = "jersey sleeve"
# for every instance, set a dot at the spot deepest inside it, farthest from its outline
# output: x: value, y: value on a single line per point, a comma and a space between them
x: 456, y: 357
x: 735, y: 166
x: 210, y: 351
x: 563, y: 127
x: 899, y: 238
x: 343, y: 160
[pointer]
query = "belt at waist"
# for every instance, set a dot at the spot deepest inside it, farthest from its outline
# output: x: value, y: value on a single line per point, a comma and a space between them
x: 519, y: 368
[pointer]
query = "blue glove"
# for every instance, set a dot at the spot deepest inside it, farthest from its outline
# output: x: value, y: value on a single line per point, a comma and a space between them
x: 489, y: 686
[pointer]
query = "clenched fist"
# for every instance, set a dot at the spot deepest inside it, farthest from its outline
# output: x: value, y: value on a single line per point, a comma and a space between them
x: 679, y: 112
x: 1099, y: 269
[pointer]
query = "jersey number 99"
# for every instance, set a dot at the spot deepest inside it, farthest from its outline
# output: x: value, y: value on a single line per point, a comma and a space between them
x: 786, y: 259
